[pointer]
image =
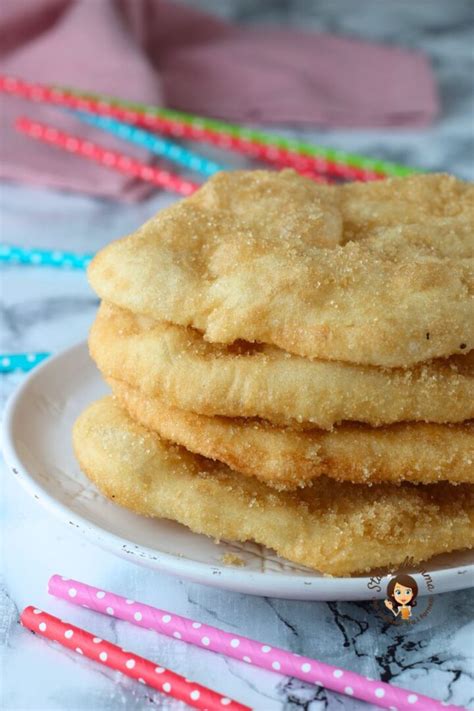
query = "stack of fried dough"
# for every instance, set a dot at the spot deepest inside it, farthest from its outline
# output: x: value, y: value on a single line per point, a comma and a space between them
x: 293, y: 364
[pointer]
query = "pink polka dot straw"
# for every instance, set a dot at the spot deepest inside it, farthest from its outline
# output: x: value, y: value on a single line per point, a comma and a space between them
x: 110, y: 159
x: 130, y: 664
x: 307, y: 159
x: 242, y: 648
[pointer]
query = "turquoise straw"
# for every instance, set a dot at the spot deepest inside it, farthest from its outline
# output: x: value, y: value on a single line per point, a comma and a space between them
x: 20, y: 361
x: 10, y: 254
x: 156, y: 144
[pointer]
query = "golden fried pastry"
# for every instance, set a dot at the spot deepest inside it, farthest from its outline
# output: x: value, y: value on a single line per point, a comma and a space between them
x: 427, y: 201
x: 442, y: 238
x: 285, y: 459
x: 258, y: 256
x: 336, y: 528
x: 243, y: 380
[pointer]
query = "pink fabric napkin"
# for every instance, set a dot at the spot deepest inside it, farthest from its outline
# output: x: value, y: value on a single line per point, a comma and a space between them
x: 163, y: 53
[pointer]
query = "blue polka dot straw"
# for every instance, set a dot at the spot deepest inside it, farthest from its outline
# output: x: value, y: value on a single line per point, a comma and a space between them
x: 10, y: 254
x: 23, y: 362
x: 156, y: 144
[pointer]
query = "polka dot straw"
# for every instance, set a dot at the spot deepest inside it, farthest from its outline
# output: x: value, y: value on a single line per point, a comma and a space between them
x: 12, y: 254
x: 110, y: 159
x: 142, y: 670
x: 242, y: 648
x: 23, y: 362
x: 151, y: 142
x: 257, y: 144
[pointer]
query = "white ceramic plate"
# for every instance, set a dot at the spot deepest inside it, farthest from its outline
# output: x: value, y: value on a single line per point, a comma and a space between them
x: 37, y: 448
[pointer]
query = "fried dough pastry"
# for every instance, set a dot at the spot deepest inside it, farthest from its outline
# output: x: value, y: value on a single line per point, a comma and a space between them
x: 337, y: 528
x: 176, y: 363
x: 443, y: 238
x: 259, y: 256
x: 286, y: 459
x: 427, y: 201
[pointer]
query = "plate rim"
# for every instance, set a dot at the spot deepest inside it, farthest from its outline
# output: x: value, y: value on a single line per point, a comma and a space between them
x: 233, y: 579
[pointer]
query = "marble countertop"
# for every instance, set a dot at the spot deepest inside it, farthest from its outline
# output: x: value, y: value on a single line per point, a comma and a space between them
x: 46, y: 310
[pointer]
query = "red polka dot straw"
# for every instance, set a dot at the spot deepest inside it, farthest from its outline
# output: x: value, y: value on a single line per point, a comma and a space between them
x: 235, y: 138
x: 142, y: 670
x: 124, y: 164
x: 110, y: 159
x: 250, y: 651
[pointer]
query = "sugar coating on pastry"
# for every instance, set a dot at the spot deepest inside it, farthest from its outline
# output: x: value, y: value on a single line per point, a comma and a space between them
x: 245, y: 380
x: 334, y: 527
x: 273, y: 257
x: 419, y: 199
x: 286, y: 459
